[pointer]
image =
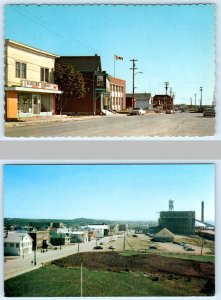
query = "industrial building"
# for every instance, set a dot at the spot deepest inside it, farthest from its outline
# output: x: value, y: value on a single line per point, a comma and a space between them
x: 178, y: 222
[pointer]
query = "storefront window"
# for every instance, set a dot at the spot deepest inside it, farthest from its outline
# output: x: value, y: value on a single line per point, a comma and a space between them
x: 46, y: 103
x: 25, y: 103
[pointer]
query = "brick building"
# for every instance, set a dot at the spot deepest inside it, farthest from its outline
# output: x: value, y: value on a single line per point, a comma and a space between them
x: 117, y: 94
x: 97, y: 86
x: 163, y: 102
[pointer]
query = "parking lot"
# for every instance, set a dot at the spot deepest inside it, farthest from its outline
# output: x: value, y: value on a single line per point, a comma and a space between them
x: 141, y: 243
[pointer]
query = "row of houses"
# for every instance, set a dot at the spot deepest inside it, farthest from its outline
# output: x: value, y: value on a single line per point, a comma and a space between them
x: 24, y: 241
x: 30, y: 90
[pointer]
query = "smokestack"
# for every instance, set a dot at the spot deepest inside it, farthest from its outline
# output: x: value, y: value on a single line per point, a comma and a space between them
x: 202, y: 211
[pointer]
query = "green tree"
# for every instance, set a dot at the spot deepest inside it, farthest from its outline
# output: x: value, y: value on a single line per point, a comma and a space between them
x: 71, y: 83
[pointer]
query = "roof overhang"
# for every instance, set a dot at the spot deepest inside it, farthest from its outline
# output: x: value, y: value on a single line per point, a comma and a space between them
x: 32, y: 90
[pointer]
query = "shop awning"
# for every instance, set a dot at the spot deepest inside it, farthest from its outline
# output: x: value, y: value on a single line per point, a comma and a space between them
x: 32, y: 90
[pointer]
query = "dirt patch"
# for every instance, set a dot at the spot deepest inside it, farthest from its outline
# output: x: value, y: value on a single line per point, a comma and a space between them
x: 152, y: 264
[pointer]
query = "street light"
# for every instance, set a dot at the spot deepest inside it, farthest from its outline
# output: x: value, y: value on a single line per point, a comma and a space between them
x: 134, y: 87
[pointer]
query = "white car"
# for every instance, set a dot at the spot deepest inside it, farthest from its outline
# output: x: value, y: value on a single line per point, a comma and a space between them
x: 137, y: 111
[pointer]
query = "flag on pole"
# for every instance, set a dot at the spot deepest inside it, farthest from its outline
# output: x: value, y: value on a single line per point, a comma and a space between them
x: 118, y: 57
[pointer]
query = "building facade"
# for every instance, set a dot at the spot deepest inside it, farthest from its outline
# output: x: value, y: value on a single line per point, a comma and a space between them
x: 17, y: 243
x: 141, y: 100
x: 29, y: 87
x: 164, y: 235
x: 97, y: 86
x: 117, y: 94
x: 163, y: 102
x: 40, y: 239
x: 178, y: 222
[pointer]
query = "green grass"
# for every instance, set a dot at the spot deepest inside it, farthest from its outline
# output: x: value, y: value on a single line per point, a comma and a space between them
x: 202, y: 258
x: 51, y: 281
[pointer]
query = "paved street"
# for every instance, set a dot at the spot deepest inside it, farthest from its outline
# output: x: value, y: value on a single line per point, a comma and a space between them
x: 149, y: 125
x: 18, y: 265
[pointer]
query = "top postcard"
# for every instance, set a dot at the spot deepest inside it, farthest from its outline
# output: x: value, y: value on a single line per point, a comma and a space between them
x: 100, y: 71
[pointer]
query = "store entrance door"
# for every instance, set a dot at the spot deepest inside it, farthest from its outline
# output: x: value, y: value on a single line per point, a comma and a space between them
x: 36, y: 104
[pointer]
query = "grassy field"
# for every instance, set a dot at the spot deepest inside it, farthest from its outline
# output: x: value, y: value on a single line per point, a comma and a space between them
x: 51, y: 281
x: 203, y: 258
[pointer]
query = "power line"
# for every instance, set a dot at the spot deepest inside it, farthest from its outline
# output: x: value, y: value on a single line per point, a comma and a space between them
x: 35, y: 20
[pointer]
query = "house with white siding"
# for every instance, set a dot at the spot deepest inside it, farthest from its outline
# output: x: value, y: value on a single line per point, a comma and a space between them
x: 17, y: 243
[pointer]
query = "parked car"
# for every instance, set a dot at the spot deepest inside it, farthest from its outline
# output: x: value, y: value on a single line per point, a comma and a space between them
x: 152, y: 247
x: 98, y: 248
x: 209, y: 112
x: 189, y: 249
x: 170, y: 111
x: 112, y: 247
x: 134, y: 235
x: 137, y: 111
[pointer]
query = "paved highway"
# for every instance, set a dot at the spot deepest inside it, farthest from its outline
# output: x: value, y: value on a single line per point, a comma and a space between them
x: 149, y: 125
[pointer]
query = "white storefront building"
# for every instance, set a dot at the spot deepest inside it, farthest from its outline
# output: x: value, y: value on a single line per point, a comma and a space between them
x: 29, y: 87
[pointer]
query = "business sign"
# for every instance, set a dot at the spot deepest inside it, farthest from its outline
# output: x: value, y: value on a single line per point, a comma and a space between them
x: 39, y: 85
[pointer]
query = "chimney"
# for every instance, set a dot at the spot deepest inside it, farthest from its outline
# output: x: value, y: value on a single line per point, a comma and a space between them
x: 202, y: 211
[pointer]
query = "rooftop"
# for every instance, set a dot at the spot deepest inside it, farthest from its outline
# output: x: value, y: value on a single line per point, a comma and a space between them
x: 82, y: 63
x: 22, y: 46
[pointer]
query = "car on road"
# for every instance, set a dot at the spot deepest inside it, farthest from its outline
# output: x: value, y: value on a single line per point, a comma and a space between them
x: 209, y: 112
x: 134, y: 235
x: 170, y: 111
x: 137, y: 111
x: 152, y: 247
x: 98, y: 248
x: 112, y: 247
x: 189, y: 248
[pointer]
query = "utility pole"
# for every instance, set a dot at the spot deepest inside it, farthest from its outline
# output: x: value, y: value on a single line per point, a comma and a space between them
x: 171, y: 91
x: 166, y: 85
x: 201, y: 96
x: 22, y: 246
x: 35, y: 260
x: 133, y: 69
x: 124, y: 240
x: 201, y: 252
x: 195, y: 99
x: 81, y: 280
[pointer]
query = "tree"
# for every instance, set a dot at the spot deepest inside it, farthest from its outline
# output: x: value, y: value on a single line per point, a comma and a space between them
x: 71, y: 83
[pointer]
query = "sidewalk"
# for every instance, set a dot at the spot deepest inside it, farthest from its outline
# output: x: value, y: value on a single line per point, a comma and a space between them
x: 50, y: 119
x: 54, y: 118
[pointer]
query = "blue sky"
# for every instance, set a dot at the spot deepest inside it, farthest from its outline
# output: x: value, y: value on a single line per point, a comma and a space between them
x: 114, y: 192
x: 171, y: 43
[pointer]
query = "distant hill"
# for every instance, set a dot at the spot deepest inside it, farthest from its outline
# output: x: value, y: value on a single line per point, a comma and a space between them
x: 44, y: 223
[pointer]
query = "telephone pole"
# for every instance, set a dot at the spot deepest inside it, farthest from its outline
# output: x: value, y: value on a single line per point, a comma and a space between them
x: 195, y: 99
x: 171, y: 91
x: 166, y: 85
x: 201, y: 96
x: 133, y: 69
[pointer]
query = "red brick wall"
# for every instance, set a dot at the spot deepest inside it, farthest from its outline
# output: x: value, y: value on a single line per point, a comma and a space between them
x: 74, y: 105
x: 120, y: 82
